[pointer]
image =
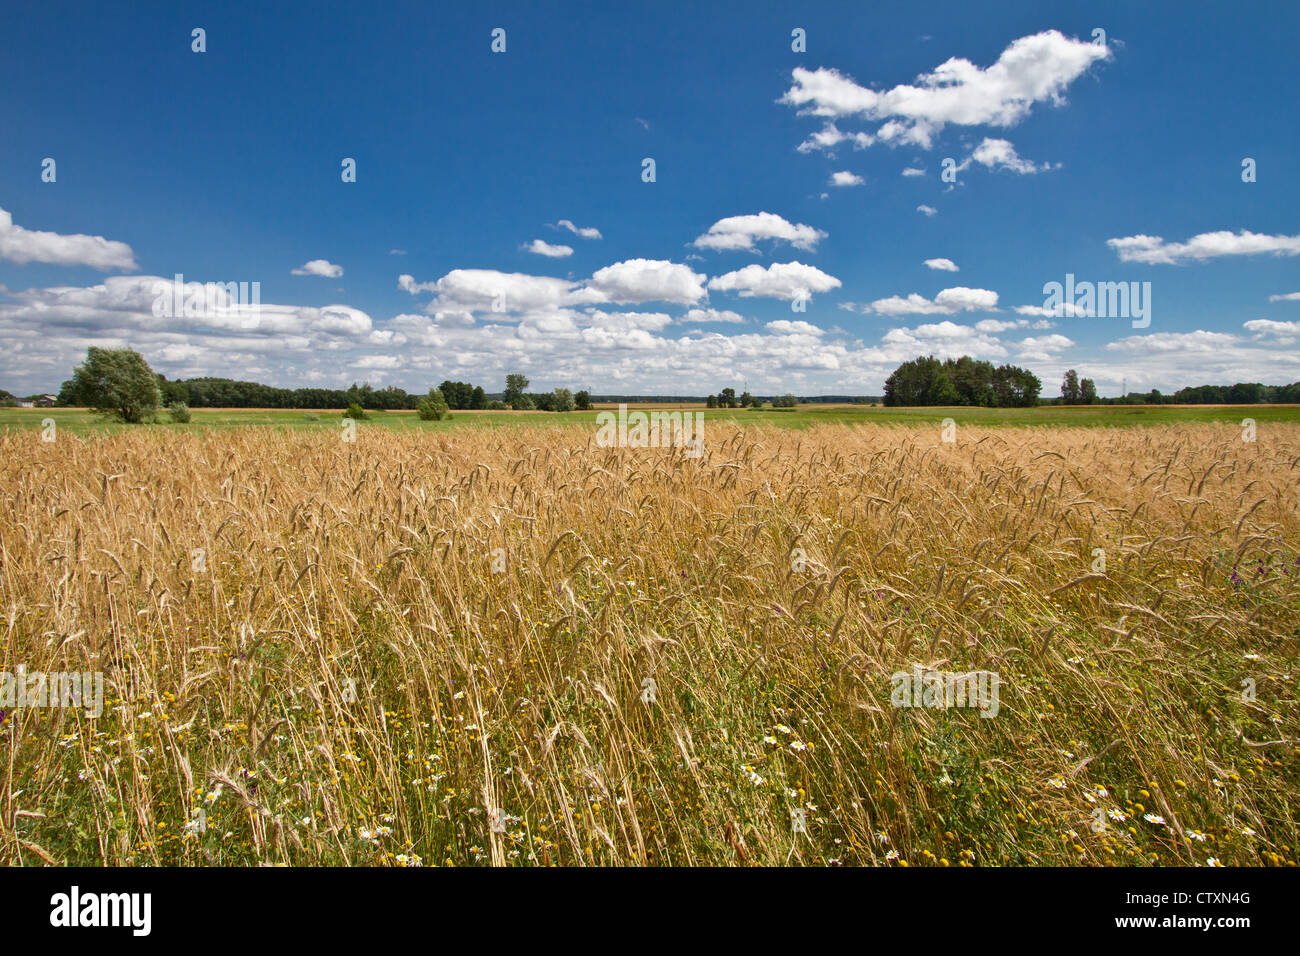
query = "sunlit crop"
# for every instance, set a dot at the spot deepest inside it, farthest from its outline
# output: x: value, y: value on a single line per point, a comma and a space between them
x: 513, y: 646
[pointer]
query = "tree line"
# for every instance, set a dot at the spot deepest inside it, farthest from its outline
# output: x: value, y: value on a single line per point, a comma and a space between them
x: 119, y: 382
x: 965, y: 381
x: 229, y: 393
x: 726, y: 398
x: 1076, y: 391
x: 1242, y: 393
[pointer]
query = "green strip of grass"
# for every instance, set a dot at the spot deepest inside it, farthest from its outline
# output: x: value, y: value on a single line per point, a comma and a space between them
x: 80, y: 421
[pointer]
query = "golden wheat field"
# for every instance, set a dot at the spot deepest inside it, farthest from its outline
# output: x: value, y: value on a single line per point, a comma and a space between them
x: 515, y: 647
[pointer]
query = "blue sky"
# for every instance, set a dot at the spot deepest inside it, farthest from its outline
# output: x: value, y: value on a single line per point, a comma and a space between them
x: 747, y: 261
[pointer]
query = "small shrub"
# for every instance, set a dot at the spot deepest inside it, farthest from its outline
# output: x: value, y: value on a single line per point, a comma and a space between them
x: 355, y: 412
x: 433, y: 408
x: 179, y: 412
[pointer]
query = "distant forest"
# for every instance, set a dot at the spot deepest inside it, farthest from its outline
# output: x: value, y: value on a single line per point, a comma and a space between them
x: 229, y: 393
x: 920, y: 382
x: 966, y: 381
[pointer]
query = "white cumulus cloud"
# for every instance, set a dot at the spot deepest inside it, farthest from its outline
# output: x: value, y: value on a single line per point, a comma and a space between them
x: 949, y: 301
x: 627, y: 321
x: 542, y: 248
x: 647, y: 280
x: 1280, y: 333
x: 740, y: 233
x: 1033, y: 69
x: 377, y: 362
x: 487, y: 290
x: 780, y: 280
x: 1153, y: 250
x: 945, y: 339
x: 1043, y: 348
x: 1000, y: 154
x: 28, y: 245
x: 319, y: 267
x: 586, y: 232
x: 994, y: 326
x: 788, y: 327
x: 713, y: 315
x: 1062, y: 310
x: 830, y: 136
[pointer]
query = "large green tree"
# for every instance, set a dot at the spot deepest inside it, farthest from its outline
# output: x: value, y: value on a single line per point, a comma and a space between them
x: 1070, y: 393
x: 115, y: 382
x: 514, y: 393
x: 563, y: 400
